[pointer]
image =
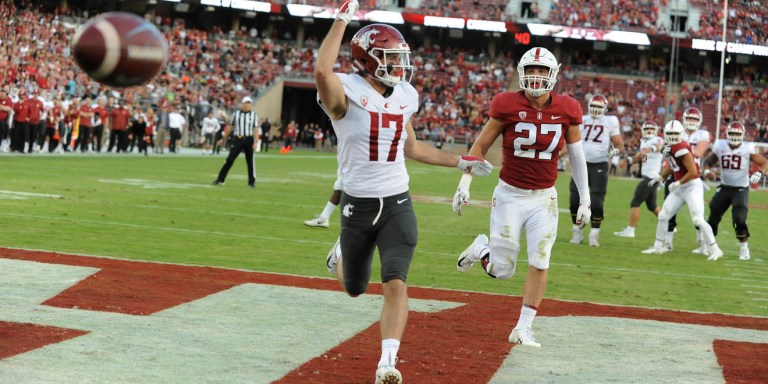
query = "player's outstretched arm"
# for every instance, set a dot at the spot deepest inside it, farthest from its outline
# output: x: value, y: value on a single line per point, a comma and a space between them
x: 579, y: 172
x: 427, y: 154
x: 329, y: 87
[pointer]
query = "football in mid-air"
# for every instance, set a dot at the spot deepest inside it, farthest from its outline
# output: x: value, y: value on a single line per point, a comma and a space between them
x: 120, y: 49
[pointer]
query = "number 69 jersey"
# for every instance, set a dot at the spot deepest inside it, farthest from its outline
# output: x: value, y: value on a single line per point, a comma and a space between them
x: 371, y: 138
x: 734, y: 162
x: 533, y: 138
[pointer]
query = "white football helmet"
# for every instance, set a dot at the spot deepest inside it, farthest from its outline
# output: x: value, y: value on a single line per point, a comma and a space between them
x: 537, y: 85
x: 673, y: 132
x: 597, y: 105
x: 735, y: 133
x: 649, y: 130
x: 692, y: 118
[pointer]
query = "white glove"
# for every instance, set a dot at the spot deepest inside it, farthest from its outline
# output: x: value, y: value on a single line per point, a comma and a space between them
x: 654, y: 182
x: 460, y: 199
x: 475, y: 165
x: 665, y: 150
x: 755, y: 178
x: 347, y: 10
x: 674, y: 186
x: 583, y: 214
x: 613, y: 152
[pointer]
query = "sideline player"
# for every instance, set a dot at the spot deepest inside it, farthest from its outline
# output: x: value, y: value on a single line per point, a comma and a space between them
x: 650, y: 167
x: 601, y: 140
x: 686, y: 189
x: 734, y: 155
x: 370, y: 113
x: 535, y: 124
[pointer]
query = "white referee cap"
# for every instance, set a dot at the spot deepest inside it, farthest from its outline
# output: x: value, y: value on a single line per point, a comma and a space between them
x: 247, y: 99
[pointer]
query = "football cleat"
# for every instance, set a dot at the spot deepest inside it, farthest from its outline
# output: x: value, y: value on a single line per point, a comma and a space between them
x: 578, y: 236
x: 388, y: 375
x: 332, y: 260
x: 714, y: 253
x: 523, y: 336
x: 593, y: 240
x: 626, y: 232
x: 744, y: 254
x: 317, y: 222
x: 655, y: 251
x: 472, y: 253
x: 701, y: 250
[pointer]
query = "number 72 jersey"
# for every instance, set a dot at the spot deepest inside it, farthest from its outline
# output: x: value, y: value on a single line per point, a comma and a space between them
x: 596, y: 136
x: 532, y: 138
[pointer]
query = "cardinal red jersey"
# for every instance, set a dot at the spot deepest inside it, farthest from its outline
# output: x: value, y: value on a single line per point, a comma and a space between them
x: 21, y: 111
x: 35, y: 110
x: 86, y: 121
x: 675, y: 159
x: 533, y: 138
x: 6, y: 102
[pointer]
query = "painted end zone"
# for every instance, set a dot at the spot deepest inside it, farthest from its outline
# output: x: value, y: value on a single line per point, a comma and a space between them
x: 461, y: 339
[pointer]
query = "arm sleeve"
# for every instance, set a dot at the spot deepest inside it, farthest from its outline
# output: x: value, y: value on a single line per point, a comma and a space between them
x: 579, y: 171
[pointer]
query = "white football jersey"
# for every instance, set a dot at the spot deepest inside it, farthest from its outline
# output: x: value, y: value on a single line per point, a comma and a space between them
x: 734, y: 162
x: 371, y: 138
x: 652, y: 160
x: 695, y: 138
x: 596, y: 137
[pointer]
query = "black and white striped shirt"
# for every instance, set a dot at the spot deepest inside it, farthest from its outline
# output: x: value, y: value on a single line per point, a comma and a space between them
x: 243, y: 123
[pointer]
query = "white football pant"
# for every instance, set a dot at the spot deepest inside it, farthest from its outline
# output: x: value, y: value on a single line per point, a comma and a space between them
x: 692, y: 195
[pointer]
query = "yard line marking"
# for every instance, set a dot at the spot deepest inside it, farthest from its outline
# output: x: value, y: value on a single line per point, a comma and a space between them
x: 755, y: 286
x: 757, y: 293
x: 759, y: 299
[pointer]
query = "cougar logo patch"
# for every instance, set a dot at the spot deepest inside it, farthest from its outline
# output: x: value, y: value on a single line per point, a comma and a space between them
x: 347, y: 211
x: 367, y: 39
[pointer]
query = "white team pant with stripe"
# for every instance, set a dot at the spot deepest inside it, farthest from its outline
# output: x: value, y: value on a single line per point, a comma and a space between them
x: 691, y: 194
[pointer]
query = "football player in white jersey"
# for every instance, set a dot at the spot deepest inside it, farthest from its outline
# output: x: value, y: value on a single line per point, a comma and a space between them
x: 650, y: 159
x: 370, y: 112
x: 535, y: 124
x: 601, y: 139
x: 699, y: 140
x: 734, y: 155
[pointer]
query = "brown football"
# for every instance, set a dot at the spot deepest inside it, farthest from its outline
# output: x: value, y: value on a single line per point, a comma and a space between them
x: 120, y: 49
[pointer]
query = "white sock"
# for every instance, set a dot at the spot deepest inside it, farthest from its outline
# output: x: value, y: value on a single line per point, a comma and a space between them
x: 527, y: 313
x: 670, y: 236
x: 328, y: 210
x: 744, y: 245
x: 595, y: 232
x: 389, y: 348
x: 576, y: 228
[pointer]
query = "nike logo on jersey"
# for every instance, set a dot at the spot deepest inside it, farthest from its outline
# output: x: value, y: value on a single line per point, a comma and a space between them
x: 402, y: 201
x: 403, y: 106
x: 556, y: 117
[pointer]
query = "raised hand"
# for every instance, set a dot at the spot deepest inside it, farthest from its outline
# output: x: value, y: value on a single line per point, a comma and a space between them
x: 460, y: 199
x: 347, y: 10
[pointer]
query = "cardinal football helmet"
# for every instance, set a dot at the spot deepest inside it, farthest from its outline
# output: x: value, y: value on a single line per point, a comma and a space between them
x: 537, y: 85
x: 673, y: 132
x: 649, y: 130
x: 380, y: 50
x: 735, y: 133
x: 597, y: 105
x: 692, y: 118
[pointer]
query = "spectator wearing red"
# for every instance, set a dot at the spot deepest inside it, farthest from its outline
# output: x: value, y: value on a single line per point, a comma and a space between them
x: 20, y: 129
x: 119, y: 128
x: 101, y: 114
x: 85, y: 118
x: 6, y: 106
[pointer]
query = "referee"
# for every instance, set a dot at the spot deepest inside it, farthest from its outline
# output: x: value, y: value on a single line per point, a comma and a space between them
x: 244, y: 127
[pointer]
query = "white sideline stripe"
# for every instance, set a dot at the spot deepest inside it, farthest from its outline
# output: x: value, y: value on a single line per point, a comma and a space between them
x: 329, y: 243
x: 757, y: 293
x: 755, y: 286
x: 759, y: 299
x: 28, y: 194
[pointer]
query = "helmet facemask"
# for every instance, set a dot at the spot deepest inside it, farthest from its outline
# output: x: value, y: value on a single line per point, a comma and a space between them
x: 597, y: 110
x: 537, y: 85
x: 394, y: 64
x: 735, y: 134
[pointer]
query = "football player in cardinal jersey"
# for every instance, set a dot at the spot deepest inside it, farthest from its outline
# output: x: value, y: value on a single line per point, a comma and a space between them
x: 601, y: 140
x: 686, y: 189
x: 370, y: 112
x: 734, y: 155
x: 650, y: 155
x: 534, y: 124
x: 699, y: 140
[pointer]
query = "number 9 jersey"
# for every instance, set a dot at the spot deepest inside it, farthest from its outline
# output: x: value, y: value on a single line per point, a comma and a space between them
x: 371, y: 138
x: 533, y: 138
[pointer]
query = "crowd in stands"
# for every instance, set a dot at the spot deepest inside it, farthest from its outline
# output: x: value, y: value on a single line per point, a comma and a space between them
x: 746, y: 21
x: 456, y: 85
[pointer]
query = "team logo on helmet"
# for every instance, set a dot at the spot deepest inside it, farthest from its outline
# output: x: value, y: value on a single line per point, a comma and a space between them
x: 366, y: 39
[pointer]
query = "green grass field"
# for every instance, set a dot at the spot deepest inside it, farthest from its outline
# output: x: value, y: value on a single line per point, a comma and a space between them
x: 163, y: 208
